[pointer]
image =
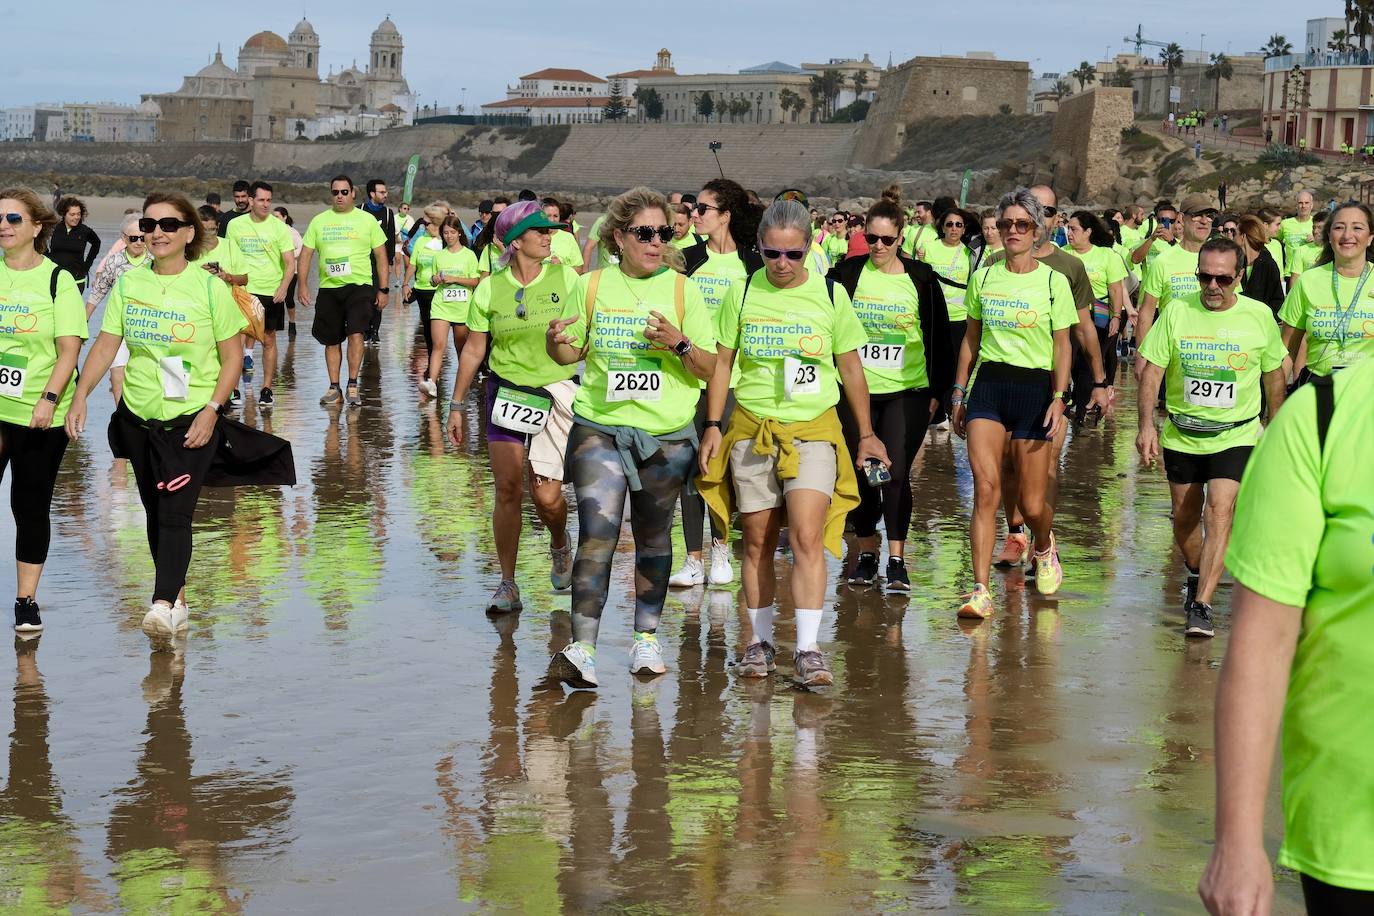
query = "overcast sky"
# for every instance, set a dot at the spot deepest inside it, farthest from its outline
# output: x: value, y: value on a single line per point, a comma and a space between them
x: 482, y: 46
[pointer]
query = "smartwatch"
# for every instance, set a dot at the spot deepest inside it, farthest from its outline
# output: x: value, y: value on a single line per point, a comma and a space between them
x: 1059, y: 396
x: 50, y: 397
x: 683, y: 347
x: 1102, y: 384
x: 217, y: 408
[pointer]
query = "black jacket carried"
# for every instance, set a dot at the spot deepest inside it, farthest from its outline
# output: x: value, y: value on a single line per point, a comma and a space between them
x: 1264, y: 283
x: 74, y: 250
x: 940, y: 355
x: 245, y: 456
x: 695, y: 256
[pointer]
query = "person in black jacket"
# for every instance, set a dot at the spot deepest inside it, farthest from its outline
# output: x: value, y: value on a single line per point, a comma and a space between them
x: 1263, y: 280
x: 909, y: 366
x: 74, y: 244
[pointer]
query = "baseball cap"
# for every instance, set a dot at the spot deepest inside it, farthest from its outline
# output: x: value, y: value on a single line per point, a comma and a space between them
x: 1196, y: 203
x: 536, y: 220
x: 485, y: 206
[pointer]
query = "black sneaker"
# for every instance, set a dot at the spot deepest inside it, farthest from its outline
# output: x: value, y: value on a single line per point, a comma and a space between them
x: 291, y: 330
x: 26, y: 619
x: 1199, y: 620
x: 865, y: 571
x: 897, y: 580
x: 1190, y: 591
x: 236, y: 399
x: 265, y: 399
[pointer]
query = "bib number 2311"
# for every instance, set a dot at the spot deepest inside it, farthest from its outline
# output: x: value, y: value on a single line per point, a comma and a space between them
x: 800, y: 376
x: 634, y: 380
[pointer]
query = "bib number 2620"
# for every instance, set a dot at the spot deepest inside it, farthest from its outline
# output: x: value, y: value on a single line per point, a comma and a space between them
x: 634, y: 380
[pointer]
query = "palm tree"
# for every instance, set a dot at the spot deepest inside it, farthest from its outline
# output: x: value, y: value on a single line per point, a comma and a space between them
x: 1172, y: 58
x: 1061, y: 89
x: 1219, y: 69
x: 860, y: 80
x: 790, y: 101
x: 1123, y: 78
x: 1277, y: 46
x: 1084, y: 73
x: 816, y: 89
x: 1340, y: 41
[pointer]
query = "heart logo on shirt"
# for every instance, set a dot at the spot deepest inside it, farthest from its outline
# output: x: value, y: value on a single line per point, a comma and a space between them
x: 903, y: 322
x: 1027, y: 318
x: 1238, y: 361
x: 25, y: 324
x: 183, y: 332
x: 811, y: 344
x: 1368, y: 327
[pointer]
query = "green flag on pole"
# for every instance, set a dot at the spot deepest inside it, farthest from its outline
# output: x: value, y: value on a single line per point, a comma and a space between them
x: 963, y: 187
x: 412, y: 167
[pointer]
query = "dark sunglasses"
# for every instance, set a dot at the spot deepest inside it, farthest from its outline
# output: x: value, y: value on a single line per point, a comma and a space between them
x: 1203, y: 214
x: 1206, y: 279
x: 646, y: 234
x: 873, y: 239
x: 167, y: 224
x: 341, y: 192
x: 14, y: 219
x: 702, y: 208
x: 792, y: 254
x: 1225, y: 231
x: 954, y: 225
x: 1020, y: 225
x: 1050, y: 211
x: 131, y: 239
x: 520, y: 303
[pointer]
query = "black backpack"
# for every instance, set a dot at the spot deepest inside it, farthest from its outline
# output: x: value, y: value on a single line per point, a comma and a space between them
x: 1325, y: 388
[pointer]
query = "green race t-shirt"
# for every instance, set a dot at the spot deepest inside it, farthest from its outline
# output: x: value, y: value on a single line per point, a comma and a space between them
x: 1294, y: 232
x: 1104, y: 267
x: 1020, y: 313
x: 422, y: 255
x: 1304, y: 536
x: 629, y: 381
x: 30, y: 323
x: 895, y: 356
x: 714, y: 278
x: 226, y: 256
x: 344, y: 242
x: 912, y: 236
x: 786, y: 341
x: 1302, y: 259
x: 1275, y: 249
x: 1172, y: 275
x: 836, y: 247
x: 952, y: 264
x: 1340, y: 331
x: 451, y: 301
x: 1213, y: 363
x: 489, y: 261
x: 172, y: 325
x: 563, y: 246
x: 261, y: 246
x: 516, y: 319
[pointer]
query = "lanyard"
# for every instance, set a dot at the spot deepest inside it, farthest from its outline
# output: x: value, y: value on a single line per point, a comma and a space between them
x: 1348, y: 311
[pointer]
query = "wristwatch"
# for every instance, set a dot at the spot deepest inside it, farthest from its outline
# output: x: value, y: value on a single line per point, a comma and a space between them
x: 1105, y: 383
x: 710, y: 424
x: 1059, y: 396
x: 50, y: 397
x: 683, y: 347
x: 217, y: 408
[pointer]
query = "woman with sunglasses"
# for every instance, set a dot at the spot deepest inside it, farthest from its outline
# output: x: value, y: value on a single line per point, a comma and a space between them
x: 1020, y: 314
x: 183, y: 329
x: 42, y: 325
x: 727, y: 256
x: 835, y: 239
x: 455, y: 277
x: 527, y: 402
x: 784, y: 451
x: 948, y: 256
x: 646, y: 336
x: 908, y: 365
x: 1092, y: 243
x: 1331, y: 306
x: 132, y: 253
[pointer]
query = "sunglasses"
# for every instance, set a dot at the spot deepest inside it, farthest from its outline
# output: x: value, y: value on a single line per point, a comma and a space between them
x: 954, y: 225
x: 14, y: 219
x: 1225, y: 231
x: 873, y: 239
x: 646, y: 234
x: 167, y: 224
x: 702, y: 208
x: 133, y: 239
x: 1050, y: 211
x: 1019, y: 226
x: 791, y: 254
x: 520, y: 303
x: 1203, y: 214
x: 1206, y: 279
x: 341, y: 192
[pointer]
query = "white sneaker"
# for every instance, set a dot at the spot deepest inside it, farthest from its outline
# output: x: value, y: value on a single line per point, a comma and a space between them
x: 721, y: 572
x: 575, y: 665
x: 430, y: 389
x: 689, y: 575
x: 163, y: 624
x: 645, y: 655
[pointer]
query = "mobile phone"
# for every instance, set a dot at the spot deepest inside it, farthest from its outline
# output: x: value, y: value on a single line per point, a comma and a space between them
x: 876, y: 473
x: 212, y: 266
x: 1166, y: 221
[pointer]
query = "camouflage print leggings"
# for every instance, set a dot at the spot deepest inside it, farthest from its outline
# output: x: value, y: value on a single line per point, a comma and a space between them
x: 599, y: 482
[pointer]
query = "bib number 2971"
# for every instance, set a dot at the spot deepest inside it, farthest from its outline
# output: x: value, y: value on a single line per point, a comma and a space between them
x: 634, y: 380
x: 1209, y: 392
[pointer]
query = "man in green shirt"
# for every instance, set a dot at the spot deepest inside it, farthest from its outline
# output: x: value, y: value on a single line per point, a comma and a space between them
x: 1214, y: 349
x: 265, y: 247
x: 1297, y: 230
x: 1174, y: 273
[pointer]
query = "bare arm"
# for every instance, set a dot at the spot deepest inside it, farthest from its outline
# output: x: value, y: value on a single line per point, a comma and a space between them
x: 288, y: 262
x: 303, y: 271
x: 383, y: 275
x: 1276, y: 388
x: 68, y: 349
x: 560, y: 347
x: 1147, y: 438
x: 98, y: 362
x: 717, y: 390
x: 851, y: 370
x: 1292, y: 339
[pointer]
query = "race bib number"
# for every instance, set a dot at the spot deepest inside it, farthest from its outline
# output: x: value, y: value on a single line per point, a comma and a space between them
x: 630, y: 379
x: 1216, y: 390
x: 454, y: 294
x: 800, y: 376
x: 887, y: 352
x: 341, y: 267
x: 14, y: 370
x: 520, y: 411
x: 176, y: 377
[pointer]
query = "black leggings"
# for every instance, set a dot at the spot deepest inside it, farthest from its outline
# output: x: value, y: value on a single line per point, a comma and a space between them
x: 35, y: 455
x: 1324, y: 899
x: 425, y: 298
x: 957, y: 331
x: 900, y: 422
x: 169, y: 514
x: 693, y: 506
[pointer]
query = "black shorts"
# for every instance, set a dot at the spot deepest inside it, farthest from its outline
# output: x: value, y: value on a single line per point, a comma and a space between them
x: 342, y: 311
x: 1016, y: 397
x: 1229, y: 464
x: 273, y: 313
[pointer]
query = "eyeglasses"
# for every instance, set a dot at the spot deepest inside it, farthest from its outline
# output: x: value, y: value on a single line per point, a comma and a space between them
x: 954, y: 225
x: 792, y: 254
x: 702, y: 208
x: 133, y: 239
x: 14, y: 219
x: 1019, y: 226
x: 873, y: 239
x: 1050, y: 211
x: 646, y: 234
x: 1223, y: 280
x: 836, y: 219
x: 341, y: 192
x: 1224, y: 230
x: 167, y: 224
x: 1203, y: 214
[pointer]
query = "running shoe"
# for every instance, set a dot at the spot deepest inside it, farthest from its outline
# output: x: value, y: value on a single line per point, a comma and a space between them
x: 248, y: 364
x: 1015, y: 550
x: 757, y: 660
x: 1049, y: 575
x: 265, y: 399
x: 575, y: 665
x: 505, y: 599
x: 355, y: 397
x: 560, y: 570
x: 721, y: 573
x: 1190, y: 591
x: 162, y: 624
x: 236, y: 399
x: 811, y: 669
x: 689, y: 575
x: 977, y: 606
x: 332, y: 396
x: 26, y: 619
x: 291, y: 330
x: 428, y: 388
x: 865, y: 571
x: 1199, y: 622
x: 645, y: 655
x: 897, y: 579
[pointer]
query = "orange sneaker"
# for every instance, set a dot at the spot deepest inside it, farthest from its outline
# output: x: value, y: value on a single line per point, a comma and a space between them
x: 1015, y: 550
x: 978, y: 605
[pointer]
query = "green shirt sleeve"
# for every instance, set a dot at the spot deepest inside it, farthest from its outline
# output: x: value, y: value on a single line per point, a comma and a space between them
x: 1280, y: 521
x: 1063, y: 314
x: 1293, y: 312
x: 576, y: 307
x: 312, y: 235
x: 848, y: 331
x: 727, y: 317
x: 113, y: 321
x: 69, y: 311
x: 225, y: 317
x: 1272, y: 356
x: 972, y: 300
x: 696, y: 319
x: 1157, y: 347
x: 1155, y: 282
x: 479, y: 312
x: 1116, y: 268
x: 375, y: 235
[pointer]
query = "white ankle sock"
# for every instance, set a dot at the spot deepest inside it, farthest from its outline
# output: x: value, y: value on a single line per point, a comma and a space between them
x: 808, y: 629
x: 761, y: 622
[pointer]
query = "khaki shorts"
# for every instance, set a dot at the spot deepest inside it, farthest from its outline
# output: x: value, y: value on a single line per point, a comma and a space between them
x: 757, y: 486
